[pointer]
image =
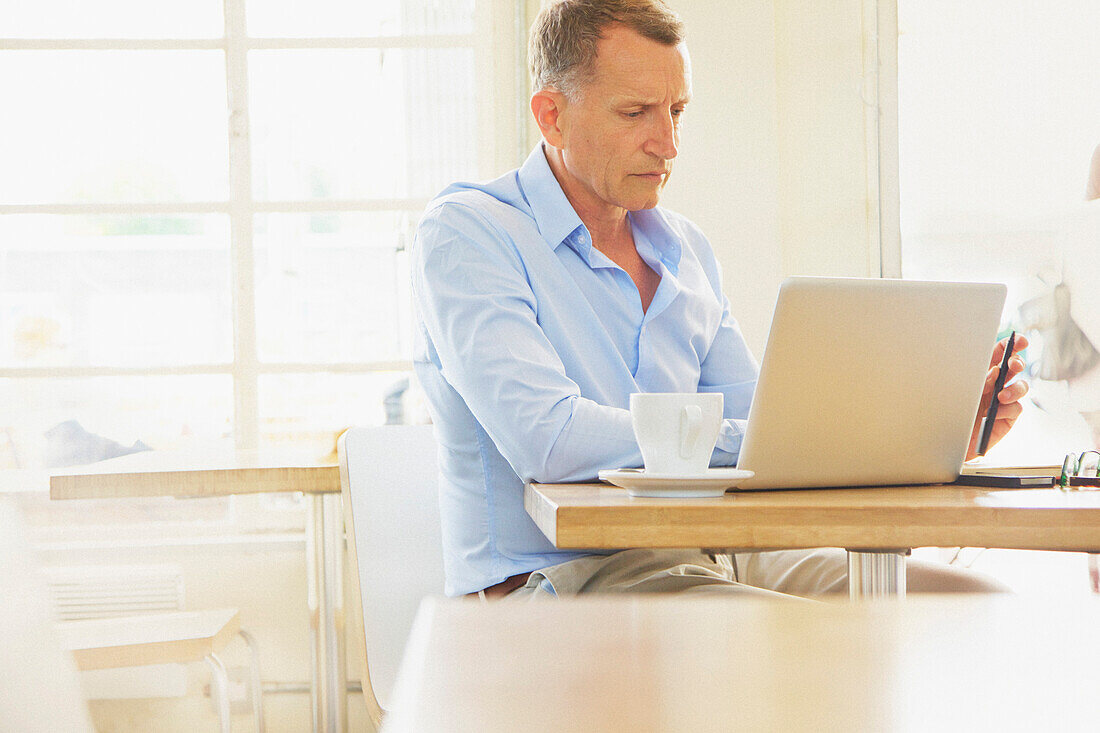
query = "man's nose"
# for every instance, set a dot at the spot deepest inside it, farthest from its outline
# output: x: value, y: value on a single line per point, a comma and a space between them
x: 664, y: 137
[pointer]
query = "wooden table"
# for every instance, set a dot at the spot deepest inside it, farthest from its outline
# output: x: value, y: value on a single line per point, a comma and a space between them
x: 215, y: 471
x: 636, y: 664
x: 223, y: 471
x: 877, y: 525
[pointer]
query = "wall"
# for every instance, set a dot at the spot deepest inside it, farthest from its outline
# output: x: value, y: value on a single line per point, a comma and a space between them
x: 774, y: 163
x: 726, y: 177
x: 827, y: 194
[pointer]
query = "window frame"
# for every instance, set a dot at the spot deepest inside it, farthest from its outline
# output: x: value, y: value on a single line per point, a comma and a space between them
x: 880, y: 46
x: 498, y: 43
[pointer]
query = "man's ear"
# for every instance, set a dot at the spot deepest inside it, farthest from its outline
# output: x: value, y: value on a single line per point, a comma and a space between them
x: 547, y: 107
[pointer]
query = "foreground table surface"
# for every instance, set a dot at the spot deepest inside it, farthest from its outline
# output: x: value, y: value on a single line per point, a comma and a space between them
x: 581, y: 516
x: 216, y: 471
x: 638, y: 664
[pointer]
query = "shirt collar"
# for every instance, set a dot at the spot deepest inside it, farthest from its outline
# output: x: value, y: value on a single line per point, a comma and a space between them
x: 554, y: 215
x: 659, y: 234
x: 556, y: 218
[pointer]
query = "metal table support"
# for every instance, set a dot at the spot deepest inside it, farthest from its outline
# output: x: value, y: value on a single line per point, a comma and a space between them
x: 876, y: 574
x: 324, y: 558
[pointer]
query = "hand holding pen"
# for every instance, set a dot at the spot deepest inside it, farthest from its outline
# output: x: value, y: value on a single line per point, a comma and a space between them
x: 1000, y: 404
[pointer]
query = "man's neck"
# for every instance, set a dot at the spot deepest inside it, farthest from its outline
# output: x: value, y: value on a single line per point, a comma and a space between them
x: 608, y: 225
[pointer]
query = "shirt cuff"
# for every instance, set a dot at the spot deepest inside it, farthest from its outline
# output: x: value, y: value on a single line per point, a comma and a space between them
x: 729, y: 443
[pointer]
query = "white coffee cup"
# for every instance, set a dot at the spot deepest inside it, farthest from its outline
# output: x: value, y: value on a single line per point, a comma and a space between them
x: 676, y: 431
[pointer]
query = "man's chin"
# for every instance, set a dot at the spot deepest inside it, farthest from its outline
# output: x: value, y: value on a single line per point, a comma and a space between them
x: 641, y: 203
x: 642, y: 200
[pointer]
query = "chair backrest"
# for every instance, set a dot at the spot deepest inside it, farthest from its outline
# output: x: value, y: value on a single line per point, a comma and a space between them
x: 391, y: 510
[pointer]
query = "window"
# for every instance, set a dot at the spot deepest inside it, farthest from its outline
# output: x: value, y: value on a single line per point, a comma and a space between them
x: 998, y: 119
x: 205, y: 209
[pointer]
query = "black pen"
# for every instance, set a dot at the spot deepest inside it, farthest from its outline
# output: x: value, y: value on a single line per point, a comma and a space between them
x: 991, y: 413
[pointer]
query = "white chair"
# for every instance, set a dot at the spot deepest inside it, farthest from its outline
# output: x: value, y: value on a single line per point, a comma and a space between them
x: 176, y: 637
x: 390, y: 497
x: 39, y: 657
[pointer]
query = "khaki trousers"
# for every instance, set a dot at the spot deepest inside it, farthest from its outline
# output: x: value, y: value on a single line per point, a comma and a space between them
x: 785, y: 574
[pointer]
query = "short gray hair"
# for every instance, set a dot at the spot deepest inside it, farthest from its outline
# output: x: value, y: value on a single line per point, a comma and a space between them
x: 564, y: 37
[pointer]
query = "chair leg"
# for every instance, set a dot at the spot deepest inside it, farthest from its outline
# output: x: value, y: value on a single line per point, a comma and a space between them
x: 256, y: 684
x: 1094, y: 573
x: 219, y: 690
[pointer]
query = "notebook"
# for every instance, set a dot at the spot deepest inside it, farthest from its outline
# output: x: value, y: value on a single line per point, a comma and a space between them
x: 869, y: 382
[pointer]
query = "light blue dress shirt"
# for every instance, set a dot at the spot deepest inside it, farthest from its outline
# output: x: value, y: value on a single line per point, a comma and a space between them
x: 529, y: 344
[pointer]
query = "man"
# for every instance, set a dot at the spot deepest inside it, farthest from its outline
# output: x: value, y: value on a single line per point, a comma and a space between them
x: 545, y: 298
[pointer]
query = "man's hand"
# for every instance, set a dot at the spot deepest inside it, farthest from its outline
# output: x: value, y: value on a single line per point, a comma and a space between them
x: 1009, y: 399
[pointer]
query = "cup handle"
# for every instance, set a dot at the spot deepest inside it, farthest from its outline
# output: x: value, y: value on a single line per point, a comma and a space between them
x: 691, y: 420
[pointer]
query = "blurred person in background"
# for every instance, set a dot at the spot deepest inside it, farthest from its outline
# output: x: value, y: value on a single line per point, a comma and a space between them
x: 1068, y: 317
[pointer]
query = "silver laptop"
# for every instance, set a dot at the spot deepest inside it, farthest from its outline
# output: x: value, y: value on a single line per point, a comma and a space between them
x: 869, y: 382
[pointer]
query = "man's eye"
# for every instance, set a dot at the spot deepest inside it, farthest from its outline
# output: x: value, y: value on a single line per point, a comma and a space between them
x: 634, y: 115
x: 677, y: 112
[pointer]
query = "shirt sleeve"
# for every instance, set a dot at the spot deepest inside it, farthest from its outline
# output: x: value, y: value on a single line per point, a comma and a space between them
x: 476, y: 304
x: 729, y: 368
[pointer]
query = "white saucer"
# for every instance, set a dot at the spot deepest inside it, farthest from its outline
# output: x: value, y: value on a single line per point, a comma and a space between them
x: 712, y: 483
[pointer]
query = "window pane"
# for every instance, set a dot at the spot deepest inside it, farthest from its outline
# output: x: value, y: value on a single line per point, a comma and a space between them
x: 310, y: 410
x: 361, y: 123
x: 996, y: 128
x: 996, y: 131
x: 344, y: 18
x: 112, y: 19
x: 63, y: 422
x: 114, y: 290
x: 332, y: 287
x: 113, y: 126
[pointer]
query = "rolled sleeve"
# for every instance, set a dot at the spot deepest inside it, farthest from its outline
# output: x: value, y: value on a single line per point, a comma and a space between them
x: 731, y: 369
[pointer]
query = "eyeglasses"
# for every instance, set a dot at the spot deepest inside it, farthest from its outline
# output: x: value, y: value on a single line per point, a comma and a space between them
x: 1081, y: 471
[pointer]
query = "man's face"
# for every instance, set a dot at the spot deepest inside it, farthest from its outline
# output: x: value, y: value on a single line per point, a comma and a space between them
x: 619, y: 138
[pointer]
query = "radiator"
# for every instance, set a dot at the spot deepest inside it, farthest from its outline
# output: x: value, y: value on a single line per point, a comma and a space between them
x: 107, y: 591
